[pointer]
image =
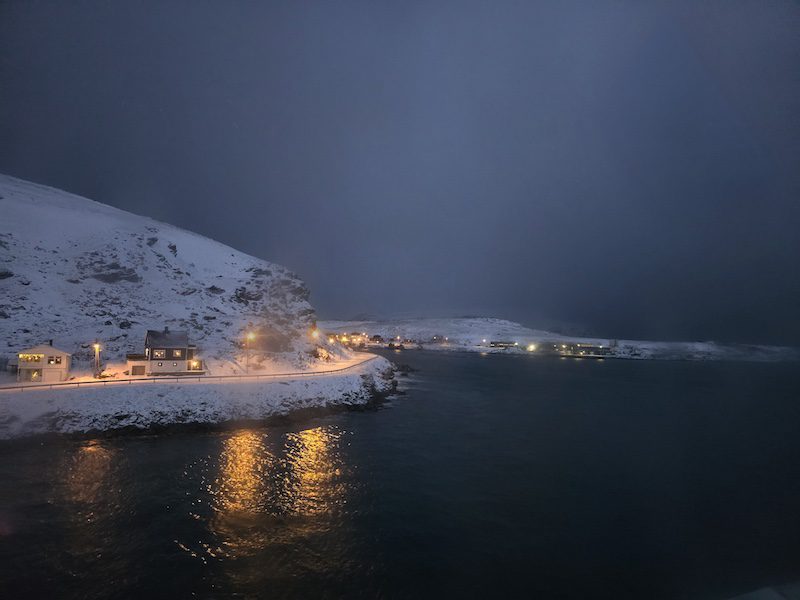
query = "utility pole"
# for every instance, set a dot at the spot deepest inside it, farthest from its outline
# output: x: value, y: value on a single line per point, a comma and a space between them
x: 248, y: 341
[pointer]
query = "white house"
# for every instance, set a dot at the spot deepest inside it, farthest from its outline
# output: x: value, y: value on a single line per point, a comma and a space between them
x: 43, y: 363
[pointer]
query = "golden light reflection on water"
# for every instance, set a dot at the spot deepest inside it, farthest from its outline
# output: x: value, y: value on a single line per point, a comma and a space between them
x: 315, y: 468
x: 87, y: 494
x: 300, y: 476
x: 86, y: 474
x: 245, y: 463
x: 274, y: 490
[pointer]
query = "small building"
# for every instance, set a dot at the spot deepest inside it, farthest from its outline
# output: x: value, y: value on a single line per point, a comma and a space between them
x: 583, y: 350
x: 44, y: 363
x: 503, y: 344
x: 166, y: 353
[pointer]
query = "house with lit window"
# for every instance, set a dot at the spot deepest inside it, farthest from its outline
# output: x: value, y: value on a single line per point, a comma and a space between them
x: 44, y: 363
x: 166, y: 353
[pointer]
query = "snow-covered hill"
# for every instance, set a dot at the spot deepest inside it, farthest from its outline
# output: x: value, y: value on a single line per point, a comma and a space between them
x: 471, y: 334
x: 74, y: 270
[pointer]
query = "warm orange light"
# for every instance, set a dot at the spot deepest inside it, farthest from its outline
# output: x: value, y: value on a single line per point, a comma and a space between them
x: 315, y: 334
x: 96, y: 347
x: 250, y: 336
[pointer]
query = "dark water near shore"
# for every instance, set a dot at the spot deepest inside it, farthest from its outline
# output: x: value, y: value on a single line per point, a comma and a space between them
x: 495, y: 476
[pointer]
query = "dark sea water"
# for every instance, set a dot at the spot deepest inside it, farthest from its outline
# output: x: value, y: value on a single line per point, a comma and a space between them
x: 493, y: 477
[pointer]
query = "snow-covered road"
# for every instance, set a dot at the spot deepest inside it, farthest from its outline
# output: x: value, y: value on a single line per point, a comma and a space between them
x: 340, y: 366
x: 87, y: 408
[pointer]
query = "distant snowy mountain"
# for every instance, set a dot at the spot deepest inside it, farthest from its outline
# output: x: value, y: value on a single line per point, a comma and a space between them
x: 74, y: 270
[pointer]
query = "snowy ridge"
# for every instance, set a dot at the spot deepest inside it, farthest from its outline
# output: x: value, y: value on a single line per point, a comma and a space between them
x: 467, y: 334
x: 75, y: 270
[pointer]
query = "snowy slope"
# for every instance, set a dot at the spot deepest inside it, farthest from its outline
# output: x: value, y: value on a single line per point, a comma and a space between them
x: 74, y: 270
x: 469, y: 333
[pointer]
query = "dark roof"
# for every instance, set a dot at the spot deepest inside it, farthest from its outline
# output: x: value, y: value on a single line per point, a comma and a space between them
x: 136, y: 356
x: 167, y: 339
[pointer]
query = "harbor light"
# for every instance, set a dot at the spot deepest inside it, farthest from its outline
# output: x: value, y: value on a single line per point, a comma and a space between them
x: 531, y: 347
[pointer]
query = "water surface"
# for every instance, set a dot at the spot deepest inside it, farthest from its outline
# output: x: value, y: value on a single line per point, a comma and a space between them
x: 493, y: 476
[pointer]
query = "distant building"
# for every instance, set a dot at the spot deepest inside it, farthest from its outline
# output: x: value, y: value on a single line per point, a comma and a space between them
x: 497, y: 344
x: 583, y: 350
x: 43, y: 363
x: 166, y: 353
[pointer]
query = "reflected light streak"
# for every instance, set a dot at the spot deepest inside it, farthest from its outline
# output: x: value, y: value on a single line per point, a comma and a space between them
x: 87, y: 474
x: 315, y: 468
x: 265, y: 502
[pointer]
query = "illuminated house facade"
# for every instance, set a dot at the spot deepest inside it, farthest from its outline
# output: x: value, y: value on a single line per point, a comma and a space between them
x: 43, y: 363
x: 166, y: 353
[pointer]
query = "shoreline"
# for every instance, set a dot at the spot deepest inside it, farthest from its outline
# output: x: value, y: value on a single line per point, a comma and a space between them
x: 154, y: 407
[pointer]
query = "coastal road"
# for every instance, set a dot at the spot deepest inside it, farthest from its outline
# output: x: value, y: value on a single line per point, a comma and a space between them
x: 340, y: 366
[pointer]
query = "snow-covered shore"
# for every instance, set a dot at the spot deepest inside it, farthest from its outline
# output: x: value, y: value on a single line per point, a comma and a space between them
x: 473, y: 334
x: 82, y: 410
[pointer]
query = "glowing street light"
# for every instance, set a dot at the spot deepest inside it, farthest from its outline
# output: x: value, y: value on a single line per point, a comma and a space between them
x: 96, y: 347
x: 531, y: 347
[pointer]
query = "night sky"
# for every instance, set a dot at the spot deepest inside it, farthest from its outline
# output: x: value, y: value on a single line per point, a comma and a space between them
x: 626, y: 169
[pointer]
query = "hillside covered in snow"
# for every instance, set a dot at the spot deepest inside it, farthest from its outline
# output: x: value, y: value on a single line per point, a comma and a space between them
x: 74, y: 271
x: 475, y: 333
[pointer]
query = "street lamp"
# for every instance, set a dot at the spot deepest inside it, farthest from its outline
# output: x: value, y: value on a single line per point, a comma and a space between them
x: 96, y: 347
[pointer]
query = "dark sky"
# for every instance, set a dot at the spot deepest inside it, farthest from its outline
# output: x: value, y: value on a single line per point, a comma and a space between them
x: 629, y: 169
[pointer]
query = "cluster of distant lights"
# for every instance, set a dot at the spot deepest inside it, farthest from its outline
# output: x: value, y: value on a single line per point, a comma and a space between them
x: 344, y: 339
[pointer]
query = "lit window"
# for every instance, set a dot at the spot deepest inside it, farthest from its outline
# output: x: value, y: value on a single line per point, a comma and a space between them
x: 177, y: 353
x: 159, y: 354
x: 51, y: 360
x: 58, y: 360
